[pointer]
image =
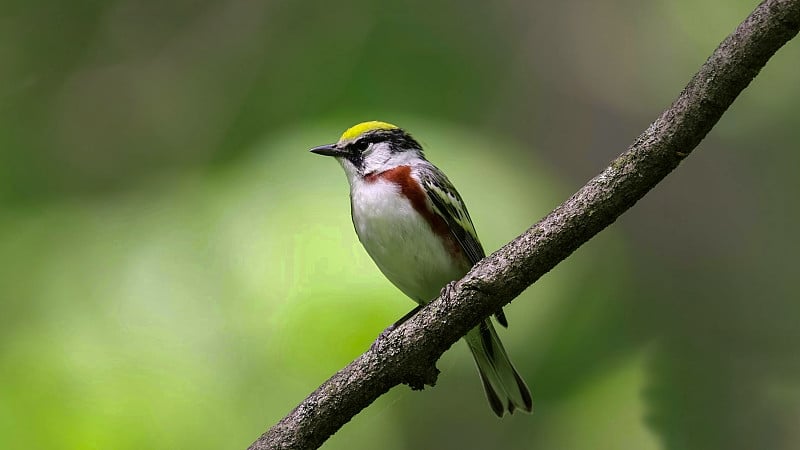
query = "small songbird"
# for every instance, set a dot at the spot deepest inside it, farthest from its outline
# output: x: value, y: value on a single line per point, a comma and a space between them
x: 415, y: 226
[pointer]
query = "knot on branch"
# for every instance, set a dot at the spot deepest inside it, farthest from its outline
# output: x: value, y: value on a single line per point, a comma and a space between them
x: 417, y: 379
x: 416, y: 373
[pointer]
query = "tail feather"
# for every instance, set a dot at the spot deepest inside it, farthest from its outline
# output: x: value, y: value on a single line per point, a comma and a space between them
x: 491, y: 395
x: 505, y: 388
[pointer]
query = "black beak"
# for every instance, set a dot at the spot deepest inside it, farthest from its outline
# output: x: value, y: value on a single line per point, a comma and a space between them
x: 329, y: 150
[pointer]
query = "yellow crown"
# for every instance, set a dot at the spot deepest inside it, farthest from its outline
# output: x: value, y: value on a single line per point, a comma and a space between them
x: 364, y: 127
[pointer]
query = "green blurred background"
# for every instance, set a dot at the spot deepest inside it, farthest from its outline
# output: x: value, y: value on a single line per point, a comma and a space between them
x: 178, y: 272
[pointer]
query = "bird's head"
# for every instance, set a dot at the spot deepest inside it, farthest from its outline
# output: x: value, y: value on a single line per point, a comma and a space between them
x: 372, y: 147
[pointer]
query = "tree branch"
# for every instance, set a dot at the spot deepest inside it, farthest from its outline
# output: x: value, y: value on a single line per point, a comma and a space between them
x: 408, y: 355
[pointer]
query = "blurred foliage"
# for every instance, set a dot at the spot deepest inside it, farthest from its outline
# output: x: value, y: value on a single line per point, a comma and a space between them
x: 178, y: 272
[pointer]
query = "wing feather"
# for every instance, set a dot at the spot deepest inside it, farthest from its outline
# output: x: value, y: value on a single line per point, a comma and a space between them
x: 448, y: 204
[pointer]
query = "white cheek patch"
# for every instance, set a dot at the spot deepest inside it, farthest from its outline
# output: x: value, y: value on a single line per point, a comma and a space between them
x: 381, y: 158
x: 377, y: 158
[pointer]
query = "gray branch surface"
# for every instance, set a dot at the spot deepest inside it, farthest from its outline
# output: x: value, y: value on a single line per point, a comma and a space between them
x: 408, y: 355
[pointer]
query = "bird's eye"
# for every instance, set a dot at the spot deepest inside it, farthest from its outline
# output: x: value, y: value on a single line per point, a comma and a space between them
x: 361, y: 145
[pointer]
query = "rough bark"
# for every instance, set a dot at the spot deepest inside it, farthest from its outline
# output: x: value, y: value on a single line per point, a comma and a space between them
x: 408, y: 354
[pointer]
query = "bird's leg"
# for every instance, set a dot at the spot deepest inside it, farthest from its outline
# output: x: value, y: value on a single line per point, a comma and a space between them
x: 385, y: 333
x: 445, y: 293
x: 402, y: 319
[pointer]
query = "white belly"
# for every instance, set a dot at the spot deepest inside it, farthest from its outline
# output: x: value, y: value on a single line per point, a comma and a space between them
x: 400, y: 241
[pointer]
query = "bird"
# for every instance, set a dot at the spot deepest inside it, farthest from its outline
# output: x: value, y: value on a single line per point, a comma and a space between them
x: 415, y: 226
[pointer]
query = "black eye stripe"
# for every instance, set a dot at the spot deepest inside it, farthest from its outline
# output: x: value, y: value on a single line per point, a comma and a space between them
x: 398, y: 139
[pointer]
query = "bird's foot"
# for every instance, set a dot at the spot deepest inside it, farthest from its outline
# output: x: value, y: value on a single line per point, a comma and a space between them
x: 447, y: 291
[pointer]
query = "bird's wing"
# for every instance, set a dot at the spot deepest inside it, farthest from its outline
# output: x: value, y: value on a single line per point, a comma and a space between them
x: 448, y: 204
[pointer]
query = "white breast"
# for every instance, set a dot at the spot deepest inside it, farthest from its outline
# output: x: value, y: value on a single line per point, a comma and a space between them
x: 400, y: 241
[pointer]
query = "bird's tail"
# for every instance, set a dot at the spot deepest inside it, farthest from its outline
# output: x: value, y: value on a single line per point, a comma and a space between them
x: 505, y: 389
